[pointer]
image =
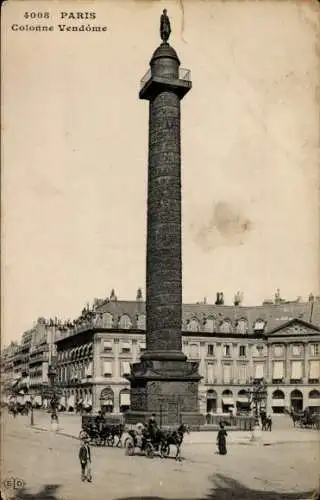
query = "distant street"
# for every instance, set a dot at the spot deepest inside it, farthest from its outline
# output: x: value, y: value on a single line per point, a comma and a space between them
x: 48, y: 465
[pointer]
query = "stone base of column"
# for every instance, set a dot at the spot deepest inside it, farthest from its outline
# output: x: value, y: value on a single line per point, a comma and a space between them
x: 168, y: 388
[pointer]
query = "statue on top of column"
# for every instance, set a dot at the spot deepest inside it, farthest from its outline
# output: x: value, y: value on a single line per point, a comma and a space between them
x: 165, y: 28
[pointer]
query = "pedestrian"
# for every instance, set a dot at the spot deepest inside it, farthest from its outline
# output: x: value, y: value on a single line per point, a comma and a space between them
x: 85, y: 461
x: 54, y: 421
x: 221, y: 440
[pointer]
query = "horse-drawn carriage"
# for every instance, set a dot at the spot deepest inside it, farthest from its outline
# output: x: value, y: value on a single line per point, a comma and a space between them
x: 102, y: 431
x: 19, y: 408
x: 157, y: 442
x: 306, y: 419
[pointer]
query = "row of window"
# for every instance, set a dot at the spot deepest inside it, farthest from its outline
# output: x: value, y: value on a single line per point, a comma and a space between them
x: 125, y: 347
x: 242, y: 372
x: 78, y: 372
x: 193, y: 349
x: 210, y: 324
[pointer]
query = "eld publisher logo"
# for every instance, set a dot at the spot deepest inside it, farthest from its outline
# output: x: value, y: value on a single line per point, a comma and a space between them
x: 13, y: 483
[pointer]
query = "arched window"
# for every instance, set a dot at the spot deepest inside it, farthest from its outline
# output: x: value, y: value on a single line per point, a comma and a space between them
x: 125, y: 322
x: 141, y: 322
x: 124, y: 400
x: 107, y: 320
x: 225, y: 326
x: 314, y: 399
x: 242, y: 326
x: 211, y: 401
x: 314, y: 394
x: 107, y: 399
x: 227, y: 393
x: 193, y: 325
x: 243, y: 392
x: 296, y: 400
x: 278, y: 394
x: 210, y: 325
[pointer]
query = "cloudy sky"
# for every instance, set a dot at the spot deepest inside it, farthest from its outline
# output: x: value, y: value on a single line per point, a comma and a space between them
x: 75, y: 154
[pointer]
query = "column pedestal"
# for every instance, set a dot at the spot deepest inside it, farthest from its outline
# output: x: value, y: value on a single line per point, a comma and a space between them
x: 167, y: 388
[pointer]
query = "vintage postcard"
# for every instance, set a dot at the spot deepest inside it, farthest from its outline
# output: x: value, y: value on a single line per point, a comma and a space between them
x: 160, y: 250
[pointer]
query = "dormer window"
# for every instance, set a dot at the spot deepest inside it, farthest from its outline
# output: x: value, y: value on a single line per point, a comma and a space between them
x: 242, y: 326
x: 225, y: 326
x: 259, y: 325
x: 193, y: 325
x: 125, y: 322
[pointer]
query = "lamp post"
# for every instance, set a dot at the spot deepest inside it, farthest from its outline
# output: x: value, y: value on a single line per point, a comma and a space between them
x: 256, y: 395
x: 31, y: 412
x: 52, y: 375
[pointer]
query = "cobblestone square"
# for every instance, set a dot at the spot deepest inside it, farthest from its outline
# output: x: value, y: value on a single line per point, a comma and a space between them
x: 48, y: 465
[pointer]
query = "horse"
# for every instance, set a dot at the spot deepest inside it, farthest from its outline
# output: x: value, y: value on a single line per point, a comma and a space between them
x: 174, y: 438
x: 13, y: 409
x: 296, y: 417
x: 108, y: 434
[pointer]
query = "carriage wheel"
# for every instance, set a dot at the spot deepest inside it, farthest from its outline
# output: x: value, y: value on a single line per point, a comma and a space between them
x: 110, y: 440
x: 129, y: 446
x: 149, y: 450
x: 165, y: 450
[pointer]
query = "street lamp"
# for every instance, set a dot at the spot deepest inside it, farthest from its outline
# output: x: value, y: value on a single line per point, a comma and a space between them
x: 256, y: 395
x: 31, y: 412
x: 52, y: 372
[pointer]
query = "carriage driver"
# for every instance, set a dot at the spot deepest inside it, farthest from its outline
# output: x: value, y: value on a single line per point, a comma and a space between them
x: 153, y: 426
x: 139, y: 434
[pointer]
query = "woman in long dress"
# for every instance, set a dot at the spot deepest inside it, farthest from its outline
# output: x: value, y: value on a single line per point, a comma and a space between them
x: 221, y: 440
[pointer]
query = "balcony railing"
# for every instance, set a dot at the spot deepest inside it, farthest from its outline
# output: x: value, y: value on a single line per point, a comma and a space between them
x: 184, y: 74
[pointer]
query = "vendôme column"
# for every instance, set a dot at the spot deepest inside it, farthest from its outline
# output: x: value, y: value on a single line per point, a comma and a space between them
x: 164, y: 382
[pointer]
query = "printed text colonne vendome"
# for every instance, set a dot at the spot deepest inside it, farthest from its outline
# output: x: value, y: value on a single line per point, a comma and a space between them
x: 39, y: 21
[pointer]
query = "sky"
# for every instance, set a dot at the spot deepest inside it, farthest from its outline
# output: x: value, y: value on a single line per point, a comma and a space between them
x: 74, y: 156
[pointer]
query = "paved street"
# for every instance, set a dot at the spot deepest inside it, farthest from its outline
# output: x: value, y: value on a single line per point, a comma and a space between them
x: 49, y: 466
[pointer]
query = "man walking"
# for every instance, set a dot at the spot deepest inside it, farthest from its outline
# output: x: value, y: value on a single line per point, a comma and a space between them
x: 85, y: 461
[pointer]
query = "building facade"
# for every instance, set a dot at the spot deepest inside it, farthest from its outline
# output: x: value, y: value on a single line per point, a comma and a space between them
x: 232, y: 344
x: 25, y: 366
x: 42, y: 354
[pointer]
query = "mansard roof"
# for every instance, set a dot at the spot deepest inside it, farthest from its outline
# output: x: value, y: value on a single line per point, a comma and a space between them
x: 275, y: 315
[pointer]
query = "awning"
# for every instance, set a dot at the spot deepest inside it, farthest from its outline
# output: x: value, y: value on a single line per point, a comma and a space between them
x: 228, y: 401
x: 107, y: 402
x: 107, y: 345
x: 107, y: 368
x: 211, y: 395
x: 314, y: 369
x: 278, y: 402
x: 242, y: 399
x: 125, y: 399
x: 314, y: 402
x: 71, y: 400
x: 126, y: 368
